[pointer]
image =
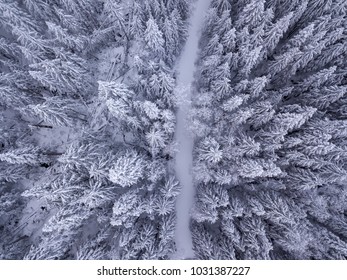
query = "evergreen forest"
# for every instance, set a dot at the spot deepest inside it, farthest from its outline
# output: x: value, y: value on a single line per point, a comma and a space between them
x: 104, y: 136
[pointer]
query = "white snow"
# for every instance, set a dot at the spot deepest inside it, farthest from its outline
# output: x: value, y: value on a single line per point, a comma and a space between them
x: 184, y: 157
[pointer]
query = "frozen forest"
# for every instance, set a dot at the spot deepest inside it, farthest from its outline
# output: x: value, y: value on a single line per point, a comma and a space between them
x: 173, y: 129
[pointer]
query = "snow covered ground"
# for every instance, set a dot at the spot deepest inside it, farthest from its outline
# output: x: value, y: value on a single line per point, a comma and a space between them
x: 184, y: 158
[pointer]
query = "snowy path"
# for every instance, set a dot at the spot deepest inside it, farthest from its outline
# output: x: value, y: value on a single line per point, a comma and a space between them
x: 184, y: 157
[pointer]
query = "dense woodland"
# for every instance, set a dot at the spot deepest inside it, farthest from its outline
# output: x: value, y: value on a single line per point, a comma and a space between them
x: 87, y: 124
x: 270, y: 119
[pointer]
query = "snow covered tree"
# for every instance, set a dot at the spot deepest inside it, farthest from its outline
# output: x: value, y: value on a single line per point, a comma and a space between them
x: 127, y: 169
x: 118, y: 99
x: 64, y: 75
x: 126, y: 209
x: 154, y: 37
x: 53, y: 111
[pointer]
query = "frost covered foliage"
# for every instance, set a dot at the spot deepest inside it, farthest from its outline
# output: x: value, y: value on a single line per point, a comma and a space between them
x: 87, y: 122
x: 271, y: 126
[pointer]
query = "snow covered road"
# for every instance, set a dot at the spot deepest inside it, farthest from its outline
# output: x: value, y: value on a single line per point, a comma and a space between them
x: 184, y: 158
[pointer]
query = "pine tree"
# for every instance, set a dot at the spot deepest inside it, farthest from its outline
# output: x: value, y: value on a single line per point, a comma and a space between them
x: 127, y: 170
x: 154, y: 37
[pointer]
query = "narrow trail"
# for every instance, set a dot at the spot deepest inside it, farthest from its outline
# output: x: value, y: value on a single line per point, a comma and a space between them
x: 184, y: 158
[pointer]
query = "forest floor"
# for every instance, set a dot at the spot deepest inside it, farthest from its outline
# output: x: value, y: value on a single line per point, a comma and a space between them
x: 184, y: 158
